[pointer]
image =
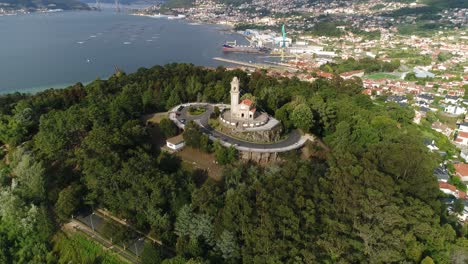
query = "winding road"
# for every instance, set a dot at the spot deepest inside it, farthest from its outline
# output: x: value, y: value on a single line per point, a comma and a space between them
x: 180, y: 116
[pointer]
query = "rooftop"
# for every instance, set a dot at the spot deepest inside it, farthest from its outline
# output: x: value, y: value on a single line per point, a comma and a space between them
x: 461, y: 169
x: 176, y: 140
x: 247, y: 102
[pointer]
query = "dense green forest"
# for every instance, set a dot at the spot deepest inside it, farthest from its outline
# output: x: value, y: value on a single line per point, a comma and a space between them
x: 371, y: 199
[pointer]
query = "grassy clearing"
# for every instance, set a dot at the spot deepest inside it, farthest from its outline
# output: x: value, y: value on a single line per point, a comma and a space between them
x: 450, y: 121
x: 76, y: 248
x: 382, y: 75
x: 196, y: 110
x: 201, y: 160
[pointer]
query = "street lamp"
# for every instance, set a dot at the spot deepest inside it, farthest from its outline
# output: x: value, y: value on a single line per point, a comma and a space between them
x: 136, y: 248
x: 92, y: 225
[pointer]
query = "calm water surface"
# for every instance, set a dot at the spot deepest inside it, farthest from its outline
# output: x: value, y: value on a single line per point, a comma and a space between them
x: 39, y: 51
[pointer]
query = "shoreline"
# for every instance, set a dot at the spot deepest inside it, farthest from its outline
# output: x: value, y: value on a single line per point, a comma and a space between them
x: 188, y: 20
x: 34, y: 89
x: 38, y: 89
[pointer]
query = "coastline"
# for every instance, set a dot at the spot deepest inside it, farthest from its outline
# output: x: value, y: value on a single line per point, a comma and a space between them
x: 32, y: 87
x: 38, y: 89
x: 188, y: 19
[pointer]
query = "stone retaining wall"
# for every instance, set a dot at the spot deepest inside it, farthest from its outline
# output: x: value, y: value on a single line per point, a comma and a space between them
x: 260, y: 136
x: 259, y: 157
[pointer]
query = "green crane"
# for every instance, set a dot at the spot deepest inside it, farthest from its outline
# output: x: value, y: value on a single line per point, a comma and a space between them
x: 283, y: 42
x: 283, y: 30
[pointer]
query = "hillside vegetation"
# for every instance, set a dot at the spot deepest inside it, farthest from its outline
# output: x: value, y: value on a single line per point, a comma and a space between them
x: 371, y: 199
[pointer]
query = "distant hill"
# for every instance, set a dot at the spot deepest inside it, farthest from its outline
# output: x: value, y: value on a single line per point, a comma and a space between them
x: 126, y: 2
x: 179, y: 3
x: 38, y: 4
x: 432, y: 4
x: 185, y: 3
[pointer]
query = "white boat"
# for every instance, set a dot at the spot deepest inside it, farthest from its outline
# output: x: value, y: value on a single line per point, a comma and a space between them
x: 158, y: 16
x: 176, y: 17
x: 127, y: 43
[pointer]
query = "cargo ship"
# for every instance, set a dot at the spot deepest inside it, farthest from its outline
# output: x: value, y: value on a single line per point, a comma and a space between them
x: 228, y: 47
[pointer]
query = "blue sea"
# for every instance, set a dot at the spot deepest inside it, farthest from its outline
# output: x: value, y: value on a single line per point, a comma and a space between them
x: 45, y: 50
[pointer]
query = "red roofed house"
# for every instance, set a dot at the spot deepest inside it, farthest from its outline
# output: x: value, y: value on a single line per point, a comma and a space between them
x: 461, y: 195
x: 461, y: 171
x: 324, y: 74
x: 447, y: 188
x: 351, y: 74
x: 462, y: 138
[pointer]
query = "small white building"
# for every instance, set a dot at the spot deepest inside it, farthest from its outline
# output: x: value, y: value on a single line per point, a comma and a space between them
x: 463, y: 127
x: 282, y: 42
x: 464, y: 154
x: 175, y: 143
x: 450, y: 99
x: 455, y: 109
x: 304, y: 49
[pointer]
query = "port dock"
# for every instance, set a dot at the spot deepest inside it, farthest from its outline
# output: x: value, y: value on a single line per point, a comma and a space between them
x: 255, y: 65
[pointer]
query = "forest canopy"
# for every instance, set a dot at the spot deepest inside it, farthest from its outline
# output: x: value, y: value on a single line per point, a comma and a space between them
x: 371, y: 199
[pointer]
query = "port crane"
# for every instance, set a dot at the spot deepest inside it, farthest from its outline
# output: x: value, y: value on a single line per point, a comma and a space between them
x: 283, y: 42
x: 98, y: 5
x: 117, y: 6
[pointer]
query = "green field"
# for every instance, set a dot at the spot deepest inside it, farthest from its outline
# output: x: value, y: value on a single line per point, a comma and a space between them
x: 76, y: 248
x: 381, y: 75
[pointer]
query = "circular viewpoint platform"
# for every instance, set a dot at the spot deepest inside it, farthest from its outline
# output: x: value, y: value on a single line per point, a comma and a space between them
x: 180, y: 116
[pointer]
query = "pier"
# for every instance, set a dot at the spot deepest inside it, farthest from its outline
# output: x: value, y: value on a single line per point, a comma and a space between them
x: 247, y: 64
x: 255, y: 65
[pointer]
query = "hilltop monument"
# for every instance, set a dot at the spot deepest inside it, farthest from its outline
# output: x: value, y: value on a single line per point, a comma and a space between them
x: 242, y: 114
x: 243, y: 111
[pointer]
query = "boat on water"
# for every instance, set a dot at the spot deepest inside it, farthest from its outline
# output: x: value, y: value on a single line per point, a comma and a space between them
x: 176, y: 17
x: 244, y: 49
x: 158, y: 15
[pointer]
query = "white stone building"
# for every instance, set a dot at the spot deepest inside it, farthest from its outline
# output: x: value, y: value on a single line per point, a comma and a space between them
x: 243, y: 111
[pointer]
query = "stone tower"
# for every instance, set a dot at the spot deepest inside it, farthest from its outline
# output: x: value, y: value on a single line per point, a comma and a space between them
x: 234, y: 96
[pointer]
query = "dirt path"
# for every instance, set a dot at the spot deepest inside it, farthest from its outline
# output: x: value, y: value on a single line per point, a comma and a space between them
x: 201, y: 160
x: 155, y: 118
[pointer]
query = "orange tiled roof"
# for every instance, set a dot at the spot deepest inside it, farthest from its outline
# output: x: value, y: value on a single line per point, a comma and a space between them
x: 247, y: 102
x: 463, y: 134
x: 444, y: 185
x: 461, y: 169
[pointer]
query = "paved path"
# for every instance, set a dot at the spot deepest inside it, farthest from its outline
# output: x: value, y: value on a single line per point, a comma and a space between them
x: 79, y: 226
x: 107, y: 214
x: 179, y: 115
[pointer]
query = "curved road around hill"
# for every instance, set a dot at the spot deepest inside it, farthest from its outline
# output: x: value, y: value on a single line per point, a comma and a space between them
x: 180, y: 116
